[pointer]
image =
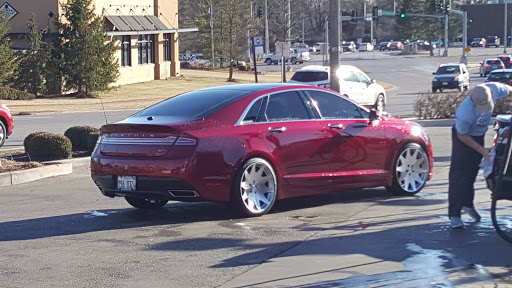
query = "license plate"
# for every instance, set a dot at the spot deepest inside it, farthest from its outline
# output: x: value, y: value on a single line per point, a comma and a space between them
x: 126, y: 183
x: 445, y: 83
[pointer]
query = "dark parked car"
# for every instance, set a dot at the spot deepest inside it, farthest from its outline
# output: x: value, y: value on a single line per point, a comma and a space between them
x: 253, y: 144
x: 478, y: 42
x: 489, y: 65
x: 383, y: 46
x: 450, y: 76
x: 6, y: 123
x: 492, y: 41
x: 501, y: 75
x: 507, y: 60
x: 396, y: 45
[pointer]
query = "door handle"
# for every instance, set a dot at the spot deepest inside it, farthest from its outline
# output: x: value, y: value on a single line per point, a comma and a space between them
x: 336, y: 126
x: 276, y: 130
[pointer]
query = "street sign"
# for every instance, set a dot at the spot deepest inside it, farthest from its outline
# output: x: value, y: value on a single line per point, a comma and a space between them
x: 283, y: 49
x: 379, y: 12
x: 369, y: 16
x: 388, y: 13
x: 467, y: 49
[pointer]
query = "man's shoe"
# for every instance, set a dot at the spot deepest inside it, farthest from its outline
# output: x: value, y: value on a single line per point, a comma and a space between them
x: 472, y: 213
x: 455, y: 222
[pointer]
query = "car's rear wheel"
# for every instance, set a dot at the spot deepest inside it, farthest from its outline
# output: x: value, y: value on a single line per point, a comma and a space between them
x: 254, y: 189
x: 268, y: 61
x: 410, y: 172
x: 143, y: 203
x: 380, y: 104
x: 3, y: 133
x: 434, y: 90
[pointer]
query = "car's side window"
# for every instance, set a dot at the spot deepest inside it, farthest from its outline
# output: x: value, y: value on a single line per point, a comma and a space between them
x: 349, y: 76
x: 332, y: 106
x: 252, y: 114
x: 361, y: 78
x: 286, y: 106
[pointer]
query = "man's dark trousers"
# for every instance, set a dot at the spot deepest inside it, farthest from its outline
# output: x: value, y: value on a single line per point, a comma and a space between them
x: 463, y: 170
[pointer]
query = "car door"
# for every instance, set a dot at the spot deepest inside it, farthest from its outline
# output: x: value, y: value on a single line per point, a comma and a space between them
x: 349, y: 84
x: 356, y: 148
x: 293, y: 134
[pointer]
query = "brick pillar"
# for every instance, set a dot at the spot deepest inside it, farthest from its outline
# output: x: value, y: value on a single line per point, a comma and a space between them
x: 175, y: 55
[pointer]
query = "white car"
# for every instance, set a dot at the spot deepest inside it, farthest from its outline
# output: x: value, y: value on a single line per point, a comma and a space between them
x: 354, y: 83
x: 302, y: 47
x: 365, y: 47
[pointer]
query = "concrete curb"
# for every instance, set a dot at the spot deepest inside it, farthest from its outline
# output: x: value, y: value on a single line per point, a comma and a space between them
x: 50, y: 169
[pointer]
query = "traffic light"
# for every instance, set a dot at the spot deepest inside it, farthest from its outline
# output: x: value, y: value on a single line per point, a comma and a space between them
x: 375, y: 11
x: 447, y: 8
x: 402, y: 13
x: 260, y: 12
x: 439, y: 6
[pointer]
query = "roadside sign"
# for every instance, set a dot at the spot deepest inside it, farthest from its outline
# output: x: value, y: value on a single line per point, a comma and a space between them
x: 8, y: 10
x: 467, y: 49
x: 283, y: 49
x: 388, y: 13
x: 379, y: 12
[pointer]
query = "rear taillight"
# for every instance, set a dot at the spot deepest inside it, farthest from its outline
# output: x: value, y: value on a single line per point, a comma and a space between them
x: 486, y: 64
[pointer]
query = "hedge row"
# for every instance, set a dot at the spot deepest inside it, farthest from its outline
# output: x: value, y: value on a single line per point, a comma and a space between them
x: 7, y: 93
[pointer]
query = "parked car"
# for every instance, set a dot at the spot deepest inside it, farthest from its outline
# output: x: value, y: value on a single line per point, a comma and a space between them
x: 450, y: 76
x: 354, y: 84
x: 365, y: 47
x: 507, y: 60
x: 383, y: 46
x: 395, y: 45
x: 501, y: 75
x: 437, y: 43
x: 254, y: 144
x: 6, y: 123
x: 492, y: 41
x: 478, y: 42
x: 302, y: 47
x: 318, y: 46
x: 348, y: 46
x: 489, y: 65
x: 295, y: 58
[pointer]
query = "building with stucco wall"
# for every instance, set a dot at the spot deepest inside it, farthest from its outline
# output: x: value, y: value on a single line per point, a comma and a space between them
x: 146, y: 32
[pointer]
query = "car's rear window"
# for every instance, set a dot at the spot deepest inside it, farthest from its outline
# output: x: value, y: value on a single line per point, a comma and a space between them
x: 500, y: 75
x: 448, y: 70
x: 310, y: 76
x: 194, y: 105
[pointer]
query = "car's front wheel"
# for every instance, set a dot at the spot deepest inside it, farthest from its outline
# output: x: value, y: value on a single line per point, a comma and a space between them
x: 410, y: 172
x: 254, y: 189
x: 268, y: 61
x: 380, y: 103
x: 143, y: 203
x: 3, y: 133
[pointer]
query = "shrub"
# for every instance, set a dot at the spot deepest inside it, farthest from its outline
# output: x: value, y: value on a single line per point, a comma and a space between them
x: 49, y: 146
x: 7, y: 93
x: 28, y: 138
x: 92, y: 138
x: 430, y: 105
x: 79, y: 136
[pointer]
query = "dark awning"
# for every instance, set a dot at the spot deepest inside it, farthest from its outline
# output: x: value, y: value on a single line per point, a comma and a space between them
x: 136, y: 23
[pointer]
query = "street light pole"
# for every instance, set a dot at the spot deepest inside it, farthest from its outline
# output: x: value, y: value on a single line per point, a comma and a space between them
x: 267, y: 40
x: 334, y: 38
x: 505, y: 29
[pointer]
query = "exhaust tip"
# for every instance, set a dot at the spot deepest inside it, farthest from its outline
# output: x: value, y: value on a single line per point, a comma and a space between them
x: 183, y: 193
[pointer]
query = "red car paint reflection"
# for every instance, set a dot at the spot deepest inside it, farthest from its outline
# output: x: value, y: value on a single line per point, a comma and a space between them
x: 6, y: 123
x: 253, y: 144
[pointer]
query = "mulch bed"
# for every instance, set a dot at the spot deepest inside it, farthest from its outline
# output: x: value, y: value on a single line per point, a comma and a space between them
x: 21, y: 161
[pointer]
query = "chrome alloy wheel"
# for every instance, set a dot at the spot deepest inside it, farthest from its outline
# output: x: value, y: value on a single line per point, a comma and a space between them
x: 380, y: 105
x: 258, y: 187
x: 412, y: 169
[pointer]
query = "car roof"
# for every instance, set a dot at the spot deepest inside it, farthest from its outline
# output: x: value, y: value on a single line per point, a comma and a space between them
x: 451, y: 64
x: 504, y: 56
x: 493, y: 59
x: 315, y: 68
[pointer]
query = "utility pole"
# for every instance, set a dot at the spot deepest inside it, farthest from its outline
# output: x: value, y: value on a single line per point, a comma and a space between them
x: 334, y: 47
x: 267, y: 40
x: 505, y: 29
x: 445, y: 54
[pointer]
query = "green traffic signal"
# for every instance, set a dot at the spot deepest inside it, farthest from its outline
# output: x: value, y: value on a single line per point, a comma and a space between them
x: 402, y: 15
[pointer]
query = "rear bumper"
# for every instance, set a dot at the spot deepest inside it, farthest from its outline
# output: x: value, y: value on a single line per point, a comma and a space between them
x: 149, y: 188
x: 446, y: 84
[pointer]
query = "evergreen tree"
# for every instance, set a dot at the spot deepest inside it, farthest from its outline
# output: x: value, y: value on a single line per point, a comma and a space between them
x: 8, y: 63
x: 32, y: 61
x: 89, y: 64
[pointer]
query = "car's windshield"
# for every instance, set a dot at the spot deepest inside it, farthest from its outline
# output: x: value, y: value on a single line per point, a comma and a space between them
x: 448, y: 70
x: 495, y: 61
x: 310, y: 76
x: 500, y: 76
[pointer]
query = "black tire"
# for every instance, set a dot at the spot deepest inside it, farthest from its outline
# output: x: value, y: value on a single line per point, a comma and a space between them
x: 481, y: 75
x: 3, y: 133
x: 268, y: 61
x: 142, y: 203
x: 460, y: 88
x: 502, y: 218
x: 441, y: 90
x: 411, y: 151
x: 262, y: 184
x: 434, y: 90
x: 380, y: 103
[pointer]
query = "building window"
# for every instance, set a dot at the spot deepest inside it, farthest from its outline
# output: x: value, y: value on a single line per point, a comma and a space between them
x: 126, y: 54
x: 167, y: 47
x: 146, y: 49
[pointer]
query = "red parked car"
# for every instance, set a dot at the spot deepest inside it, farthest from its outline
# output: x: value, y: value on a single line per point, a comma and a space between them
x: 6, y: 123
x: 253, y: 144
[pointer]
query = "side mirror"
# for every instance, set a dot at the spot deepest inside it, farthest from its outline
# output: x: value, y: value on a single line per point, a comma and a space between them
x: 374, y: 115
x: 433, y: 73
x: 372, y: 81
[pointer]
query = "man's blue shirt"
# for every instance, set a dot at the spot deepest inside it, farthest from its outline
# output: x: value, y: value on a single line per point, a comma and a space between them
x: 468, y: 120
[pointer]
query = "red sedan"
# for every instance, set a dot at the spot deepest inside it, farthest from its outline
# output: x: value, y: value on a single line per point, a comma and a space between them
x: 6, y: 123
x: 253, y: 144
